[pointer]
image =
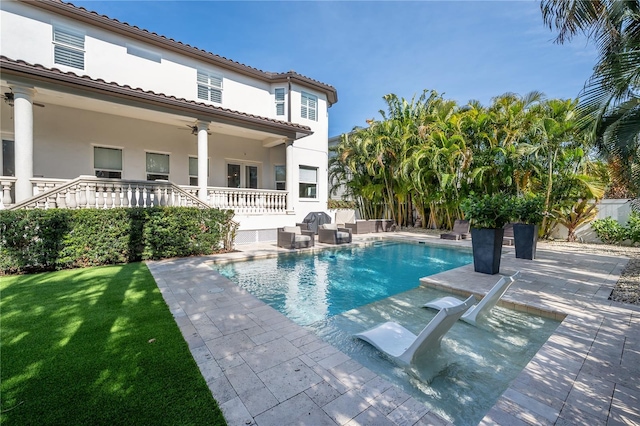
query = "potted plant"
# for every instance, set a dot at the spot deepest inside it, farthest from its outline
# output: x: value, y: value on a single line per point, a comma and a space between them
x: 487, y: 215
x: 528, y: 214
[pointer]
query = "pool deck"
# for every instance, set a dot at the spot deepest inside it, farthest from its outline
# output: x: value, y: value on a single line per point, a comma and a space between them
x: 263, y: 369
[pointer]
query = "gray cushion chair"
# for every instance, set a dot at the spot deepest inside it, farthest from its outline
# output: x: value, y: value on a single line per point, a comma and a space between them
x: 293, y: 237
x: 329, y: 233
x: 460, y: 231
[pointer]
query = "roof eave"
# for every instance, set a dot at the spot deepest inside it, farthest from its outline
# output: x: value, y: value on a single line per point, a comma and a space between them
x: 201, y: 111
x: 79, y: 13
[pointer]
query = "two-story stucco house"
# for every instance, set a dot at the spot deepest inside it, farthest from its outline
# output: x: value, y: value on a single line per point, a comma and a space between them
x: 99, y: 113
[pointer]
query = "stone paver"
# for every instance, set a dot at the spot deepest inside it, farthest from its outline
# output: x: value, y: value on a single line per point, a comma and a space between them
x: 263, y: 369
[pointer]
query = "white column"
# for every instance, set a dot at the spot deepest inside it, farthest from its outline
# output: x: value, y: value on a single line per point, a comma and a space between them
x: 292, y: 195
x: 23, y: 133
x: 203, y: 154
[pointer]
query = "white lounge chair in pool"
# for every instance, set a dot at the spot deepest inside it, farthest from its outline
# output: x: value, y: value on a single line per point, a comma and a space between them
x: 486, y: 304
x: 404, y: 347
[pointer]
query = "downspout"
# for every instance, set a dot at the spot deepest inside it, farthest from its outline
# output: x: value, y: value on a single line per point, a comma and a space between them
x: 289, y: 100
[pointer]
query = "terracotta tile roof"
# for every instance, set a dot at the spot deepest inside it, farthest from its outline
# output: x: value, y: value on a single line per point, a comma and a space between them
x: 41, y: 73
x: 78, y: 12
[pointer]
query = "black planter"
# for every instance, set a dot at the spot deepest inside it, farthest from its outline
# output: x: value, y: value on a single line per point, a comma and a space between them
x: 487, y: 249
x: 525, y: 239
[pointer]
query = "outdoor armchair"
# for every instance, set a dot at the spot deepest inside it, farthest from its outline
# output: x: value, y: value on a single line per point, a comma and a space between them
x: 329, y: 233
x: 293, y: 237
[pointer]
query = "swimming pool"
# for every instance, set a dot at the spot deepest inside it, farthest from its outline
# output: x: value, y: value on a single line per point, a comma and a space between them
x: 311, y: 287
x: 340, y: 292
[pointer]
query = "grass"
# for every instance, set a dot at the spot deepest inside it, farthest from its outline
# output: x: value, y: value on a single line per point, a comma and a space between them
x: 96, y: 346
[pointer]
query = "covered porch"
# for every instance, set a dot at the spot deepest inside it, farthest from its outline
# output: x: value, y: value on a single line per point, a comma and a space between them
x: 74, y: 142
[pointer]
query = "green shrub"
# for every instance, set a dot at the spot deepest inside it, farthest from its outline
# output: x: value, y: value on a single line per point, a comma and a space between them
x: 41, y: 240
x: 31, y: 240
x: 182, y: 231
x: 609, y: 230
x: 633, y: 228
x: 488, y: 211
x: 528, y: 210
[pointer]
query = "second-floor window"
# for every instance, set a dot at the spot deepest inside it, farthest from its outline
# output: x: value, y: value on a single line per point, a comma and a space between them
x: 279, y: 95
x: 309, y: 106
x: 210, y: 87
x: 68, y: 47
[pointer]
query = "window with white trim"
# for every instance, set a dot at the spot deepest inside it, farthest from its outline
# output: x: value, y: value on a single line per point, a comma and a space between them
x: 281, y: 177
x: 68, y: 47
x: 210, y: 87
x: 157, y: 166
x: 308, y: 182
x: 193, y: 170
x: 107, y: 162
x: 279, y: 96
x: 240, y: 175
x: 309, y: 106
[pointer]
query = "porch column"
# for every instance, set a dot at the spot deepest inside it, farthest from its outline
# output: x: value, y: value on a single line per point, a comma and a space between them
x: 203, y: 153
x: 290, y: 172
x: 23, y: 134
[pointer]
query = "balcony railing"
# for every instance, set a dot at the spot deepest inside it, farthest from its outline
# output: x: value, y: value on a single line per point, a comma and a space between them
x: 245, y: 201
x: 93, y: 192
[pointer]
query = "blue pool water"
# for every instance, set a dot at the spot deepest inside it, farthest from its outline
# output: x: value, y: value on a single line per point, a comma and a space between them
x: 314, y: 286
x: 340, y: 292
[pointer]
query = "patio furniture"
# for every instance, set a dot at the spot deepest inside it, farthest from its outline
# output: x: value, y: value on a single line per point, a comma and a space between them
x: 404, y: 347
x: 483, y: 308
x: 293, y: 237
x: 508, y: 238
x: 383, y: 225
x: 361, y: 226
x: 460, y: 231
x: 329, y: 233
x: 314, y: 219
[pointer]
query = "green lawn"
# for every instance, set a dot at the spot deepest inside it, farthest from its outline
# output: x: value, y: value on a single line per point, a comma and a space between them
x: 96, y: 346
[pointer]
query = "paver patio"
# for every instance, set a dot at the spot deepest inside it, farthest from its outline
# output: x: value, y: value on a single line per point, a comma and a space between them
x: 264, y: 369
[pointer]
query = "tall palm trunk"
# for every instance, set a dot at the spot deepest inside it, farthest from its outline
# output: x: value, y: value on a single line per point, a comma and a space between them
x: 547, y: 200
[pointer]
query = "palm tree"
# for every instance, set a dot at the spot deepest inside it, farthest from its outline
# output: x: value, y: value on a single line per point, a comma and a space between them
x: 610, y: 105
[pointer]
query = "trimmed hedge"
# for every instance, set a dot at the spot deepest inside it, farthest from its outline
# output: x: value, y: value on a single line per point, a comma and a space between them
x: 42, y: 240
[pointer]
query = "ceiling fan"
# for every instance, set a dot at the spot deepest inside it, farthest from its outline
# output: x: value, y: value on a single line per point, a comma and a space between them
x: 193, y: 129
x: 8, y: 98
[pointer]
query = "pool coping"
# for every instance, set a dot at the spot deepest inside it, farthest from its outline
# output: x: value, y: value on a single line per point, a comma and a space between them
x: 588, y: 371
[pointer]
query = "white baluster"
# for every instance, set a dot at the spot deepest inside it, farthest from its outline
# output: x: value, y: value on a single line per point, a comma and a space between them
x: 61, y: 199
x: 156, y: 196
x: 140, y: 195
x: 6, y: 193
x: 117, y: 191
x: 83, y: 195
x: 100, y: 197
x: 163, y: 196
x: 72, y: 203
x: 91, y: 194
x: 108, y: 190
x: 132, y: 197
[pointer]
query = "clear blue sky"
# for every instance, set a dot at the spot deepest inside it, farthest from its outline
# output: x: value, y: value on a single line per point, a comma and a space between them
x: 464, y: 49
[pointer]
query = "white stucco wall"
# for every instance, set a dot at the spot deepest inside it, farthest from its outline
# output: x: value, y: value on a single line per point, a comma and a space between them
x: 26, y: 33
x: 64, y: 137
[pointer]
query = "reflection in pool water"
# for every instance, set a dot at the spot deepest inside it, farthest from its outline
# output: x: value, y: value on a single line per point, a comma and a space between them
x: 338, y: 293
